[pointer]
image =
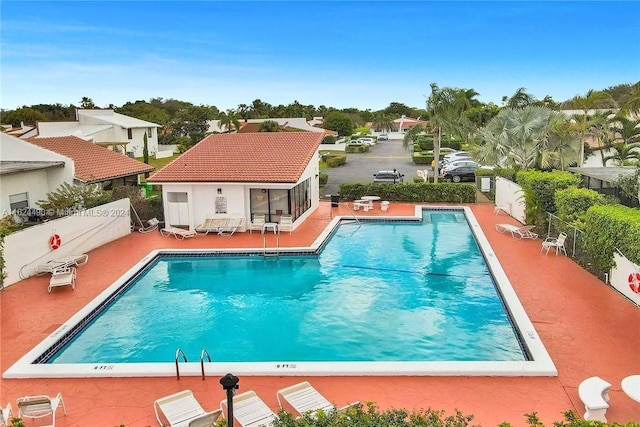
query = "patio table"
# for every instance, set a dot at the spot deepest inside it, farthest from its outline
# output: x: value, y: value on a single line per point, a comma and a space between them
x: 270, y: 225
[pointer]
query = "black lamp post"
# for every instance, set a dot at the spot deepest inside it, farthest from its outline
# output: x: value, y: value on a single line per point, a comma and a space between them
x: 229, y: 384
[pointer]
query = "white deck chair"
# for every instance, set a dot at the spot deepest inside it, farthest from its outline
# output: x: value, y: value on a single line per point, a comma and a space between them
x: 181, y: 409
x: 286, y: 223
x: 231, y: 226
x: 152, y: 224
x: 66, y: 261
x: 257, y: 222
x: 523, y: 232
x: 211, y: 225
x: 6, y: 414
x: 63, y: 276
x: 303, y: 397
x: 40, y: 406
x: 178, y: 233
x: 557, y: 243
x: 249, y: 410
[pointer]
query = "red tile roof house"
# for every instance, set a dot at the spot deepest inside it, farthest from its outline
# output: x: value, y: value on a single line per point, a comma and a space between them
x: 93, y: 163
x: 240, y: 175
x: 404, y: 123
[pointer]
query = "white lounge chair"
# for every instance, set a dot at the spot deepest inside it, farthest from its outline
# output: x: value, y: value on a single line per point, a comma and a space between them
x: 63, y: 276
x: 557, y: 243
x: 178, y: 233
x: 249, y: 410
x: 232, y: 225
x: 67, y: 261
x: 181, y: 409
x: 257, y: 222
x: 5, y: 415
x: 212, y: 225
x: 523, y: 232
x: 40, y: 406
x: 303, y: 397
x: 286, y: 223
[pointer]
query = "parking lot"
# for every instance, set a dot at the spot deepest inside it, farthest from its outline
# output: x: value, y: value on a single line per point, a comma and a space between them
x: 360, y: 167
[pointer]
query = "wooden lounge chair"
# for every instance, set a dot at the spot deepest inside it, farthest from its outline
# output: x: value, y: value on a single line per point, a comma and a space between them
x: 181, y: 409
x: 67, y: 261
x: 178, y: 233
x: 211, y: 225
x: 523, y: 232
x: 40, y: 406
x: 231, y: 226
x: 303, y: 397
x: 249, y: 410
x: 63, y: 276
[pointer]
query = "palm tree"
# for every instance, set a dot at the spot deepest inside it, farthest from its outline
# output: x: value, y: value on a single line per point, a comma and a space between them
x: 411, y: 135
x: 592, y: 100
x: 519, y: 99
x: 228, y: 119
x: 624, y: 154
x: 383, y: 122
x: 562, y: 145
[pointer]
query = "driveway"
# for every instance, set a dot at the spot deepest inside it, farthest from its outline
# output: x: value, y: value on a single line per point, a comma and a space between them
x: 360, y: 167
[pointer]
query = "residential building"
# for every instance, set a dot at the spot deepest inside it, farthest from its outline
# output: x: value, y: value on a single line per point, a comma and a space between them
x: 242, y: 174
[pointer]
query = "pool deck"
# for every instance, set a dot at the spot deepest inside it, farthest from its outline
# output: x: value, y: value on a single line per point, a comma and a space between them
x: 587, y: 327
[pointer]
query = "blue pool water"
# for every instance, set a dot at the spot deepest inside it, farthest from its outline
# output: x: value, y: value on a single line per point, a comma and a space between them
x: 382, y: 291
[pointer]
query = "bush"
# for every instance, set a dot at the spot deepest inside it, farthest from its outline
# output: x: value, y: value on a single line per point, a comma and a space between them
x: 611, y: 227
x: 70, y: 198
x: 335, y: 160
x: 329, y: 139
x: 422, y: 158
x: 356, y: 148
x: 540, y: 189
x: 572, y: 204
x: 323, y: 178
x: 412, y: 192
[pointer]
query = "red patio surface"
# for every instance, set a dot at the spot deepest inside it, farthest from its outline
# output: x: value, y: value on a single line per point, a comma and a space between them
x: 587, y: 327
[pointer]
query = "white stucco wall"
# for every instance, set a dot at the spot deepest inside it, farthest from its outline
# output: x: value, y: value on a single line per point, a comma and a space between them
x: 510, y: 198
x: 36, y: 183
x: 28, y: 248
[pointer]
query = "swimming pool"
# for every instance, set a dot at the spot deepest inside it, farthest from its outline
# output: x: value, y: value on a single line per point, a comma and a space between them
x: 406, y: 276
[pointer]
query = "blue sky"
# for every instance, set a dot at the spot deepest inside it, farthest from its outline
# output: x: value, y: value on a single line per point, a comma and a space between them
x: 363, y: 54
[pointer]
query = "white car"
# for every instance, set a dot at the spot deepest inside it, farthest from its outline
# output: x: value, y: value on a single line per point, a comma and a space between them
x: 367, y: 141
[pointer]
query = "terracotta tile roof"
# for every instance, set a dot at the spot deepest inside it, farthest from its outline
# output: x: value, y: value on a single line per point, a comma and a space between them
x: 244, y: 157
x: 93, y: 163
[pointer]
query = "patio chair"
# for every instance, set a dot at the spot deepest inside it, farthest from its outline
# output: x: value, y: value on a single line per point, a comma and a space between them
x: 40, y: 406
x: 152, y: 224
x: 181, y: 409
x: 211, y: 225
x: 257, y: 222
x: 303, y: 397
x: 178, y: 233
x: 67, y: 261
x: 523, y: 232
x: 557, y: 242
x: 286, y: 223
x: 63, y: 276
x: 231, y: 226
x: 249, y: 410
x: 6, y: 414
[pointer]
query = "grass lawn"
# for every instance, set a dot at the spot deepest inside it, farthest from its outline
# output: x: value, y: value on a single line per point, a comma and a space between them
x: 158, y: 163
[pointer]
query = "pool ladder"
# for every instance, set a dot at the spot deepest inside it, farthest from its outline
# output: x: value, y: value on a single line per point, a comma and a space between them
x: 180, y: 353
x: 273, y: 251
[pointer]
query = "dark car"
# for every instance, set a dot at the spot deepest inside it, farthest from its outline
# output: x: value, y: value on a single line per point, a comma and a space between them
x: 390, y: 177
x: 463, y: 172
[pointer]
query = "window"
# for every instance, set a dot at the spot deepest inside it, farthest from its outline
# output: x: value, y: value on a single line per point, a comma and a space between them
x: 18, y: 201
x: 129, y: 133
x: 149, y: 132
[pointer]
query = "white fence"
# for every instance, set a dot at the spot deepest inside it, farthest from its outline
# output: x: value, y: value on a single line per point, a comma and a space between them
x: 333, y: 147
x: 510, y: 198
x: 625, y: 277
x: 164, y: 154
x: 79, y: 233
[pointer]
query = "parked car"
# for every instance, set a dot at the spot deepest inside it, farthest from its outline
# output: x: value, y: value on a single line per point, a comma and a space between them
x: 464, y: 171
x: 368, y: 141
x: 383, y: 137
x: 389, y: 177
x: 460, y: 162
x: 456, y: 155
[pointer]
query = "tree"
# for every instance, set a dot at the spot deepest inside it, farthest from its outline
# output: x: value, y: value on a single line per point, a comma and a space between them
x: 398, y: 109
x: 269, y: 126
x: 339, y: 122
x: 24, y: 115
x: 145, y: 149
x: 87, y: 103
x: 519, y: 99
x: 228, y: 119
x: 383, y: 122
x: 411, y: 135
x: 69, y: 198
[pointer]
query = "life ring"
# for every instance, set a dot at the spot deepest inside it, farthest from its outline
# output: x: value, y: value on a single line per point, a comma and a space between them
x: 634, y: 282
x: 55, y: 242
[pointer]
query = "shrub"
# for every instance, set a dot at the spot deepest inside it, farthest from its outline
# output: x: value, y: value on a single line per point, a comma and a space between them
x: 572, y: 204
x: 329, y: 139
x: 323, y: 178
x: 70, y: 198
x: 412, y: 192
x: 336, y: 160
x: 422, y: 158
x: 356, y: 148
x: 540, y: 189
x: 611, y: 227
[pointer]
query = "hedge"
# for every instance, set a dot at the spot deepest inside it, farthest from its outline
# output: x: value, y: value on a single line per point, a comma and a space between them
x: 422, y: 159
x: 540, y: 189
x: 334, y: 160
x: 412, y: 192
x: 608, y: 227
x: 572, y: 204
x: 356, y: 148
x: 323, y: 178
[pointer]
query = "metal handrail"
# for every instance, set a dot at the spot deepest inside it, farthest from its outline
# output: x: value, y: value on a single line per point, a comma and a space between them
x: 178, y: 353
x: 264, y: 247
x: 204, y: 351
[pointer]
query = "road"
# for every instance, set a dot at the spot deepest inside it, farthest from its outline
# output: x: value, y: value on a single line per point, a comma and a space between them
x: 360, y: 167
